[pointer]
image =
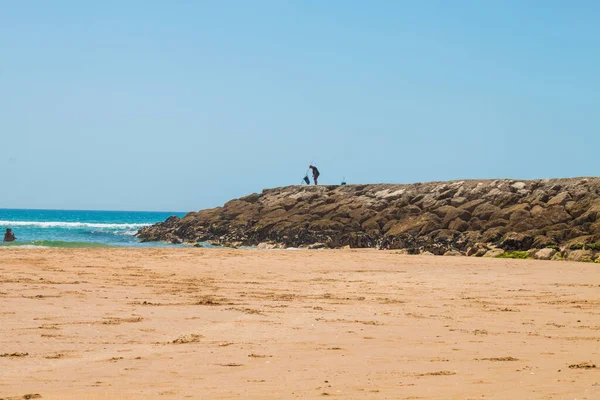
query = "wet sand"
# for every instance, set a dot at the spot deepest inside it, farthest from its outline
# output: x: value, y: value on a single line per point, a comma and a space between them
x: 224, y: 324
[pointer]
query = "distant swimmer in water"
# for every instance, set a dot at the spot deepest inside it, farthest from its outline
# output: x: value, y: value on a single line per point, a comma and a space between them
x: 9, y: 236
x: 315, y: 172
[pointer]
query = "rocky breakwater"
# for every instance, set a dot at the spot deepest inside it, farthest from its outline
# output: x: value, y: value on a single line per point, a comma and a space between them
x: 552, y: 217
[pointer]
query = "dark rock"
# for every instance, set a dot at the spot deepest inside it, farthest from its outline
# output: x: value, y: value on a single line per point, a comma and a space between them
x: 516, y: 241
x: 475, y: 224
x: 484, y: 211
x: 472, y: 205
x: 493, y: 235
x: 494, y: 223
x: 540, y: 241
x: 477, y: 250
x: 251, y: 198
x: 458, y: 225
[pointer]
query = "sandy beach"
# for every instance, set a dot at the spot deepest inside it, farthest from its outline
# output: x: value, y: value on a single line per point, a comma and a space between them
x: 224, y: 324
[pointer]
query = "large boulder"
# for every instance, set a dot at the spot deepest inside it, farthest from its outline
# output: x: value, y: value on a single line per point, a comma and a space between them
x: 544, y: 254
x: 516, y: 241
x: 484, y: 211
x: 560, y: 199
x: 580, y: 255
x: 419, y: 225
x: 493, y: 253
x: 541, y: 241
x: 453, y: 253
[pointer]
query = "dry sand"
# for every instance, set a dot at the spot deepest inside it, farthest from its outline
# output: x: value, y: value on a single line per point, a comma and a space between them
x: 221, y: 324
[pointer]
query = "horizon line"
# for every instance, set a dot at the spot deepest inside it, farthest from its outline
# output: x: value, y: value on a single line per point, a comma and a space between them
x: 82, y: 209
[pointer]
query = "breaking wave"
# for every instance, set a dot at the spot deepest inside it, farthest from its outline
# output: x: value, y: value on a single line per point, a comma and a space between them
x: 73, y: 225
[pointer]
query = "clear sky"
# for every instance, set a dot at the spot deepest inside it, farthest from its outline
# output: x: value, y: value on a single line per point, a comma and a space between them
x: 183, y: 105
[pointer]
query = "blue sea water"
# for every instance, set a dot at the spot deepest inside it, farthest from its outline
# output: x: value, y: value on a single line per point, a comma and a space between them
x: 64, y: 228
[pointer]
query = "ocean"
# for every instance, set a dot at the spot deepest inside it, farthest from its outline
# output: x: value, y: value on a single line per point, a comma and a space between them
x: 64, y: 228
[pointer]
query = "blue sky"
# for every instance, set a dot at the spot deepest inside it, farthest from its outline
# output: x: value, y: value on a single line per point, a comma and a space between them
x: 183, y: 105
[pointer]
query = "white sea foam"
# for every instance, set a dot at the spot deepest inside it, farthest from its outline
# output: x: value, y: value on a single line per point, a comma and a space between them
x: 129, y: 233
x: 24, y: 246
x: 57, y: 224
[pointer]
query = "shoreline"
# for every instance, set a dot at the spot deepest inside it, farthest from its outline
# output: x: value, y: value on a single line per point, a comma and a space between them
x: 547, y: 254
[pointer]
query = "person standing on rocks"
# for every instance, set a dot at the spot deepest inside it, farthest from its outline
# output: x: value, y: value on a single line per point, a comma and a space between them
x: 315, y: 172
